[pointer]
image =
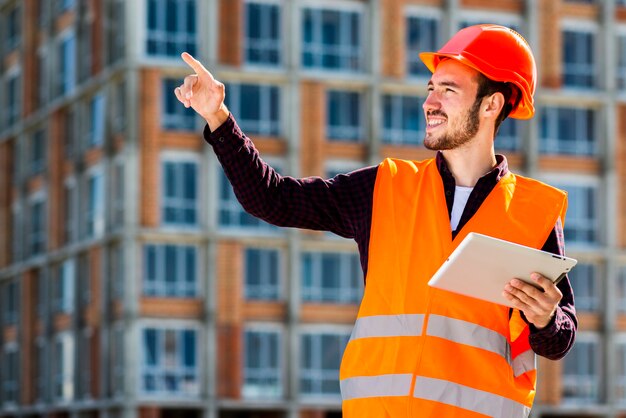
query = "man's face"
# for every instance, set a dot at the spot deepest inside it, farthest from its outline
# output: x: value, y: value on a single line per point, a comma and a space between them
x: 451, y: 108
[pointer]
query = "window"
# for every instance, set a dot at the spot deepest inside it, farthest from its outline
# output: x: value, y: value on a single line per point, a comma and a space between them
x: 180, y: 193
x: 118, y: 182
x: 43, y: 78
x: 171, y: 27
x: 67, y: 64
x: 257, y: 107
x: 17, y: 233
x: 621, y: 61
x: 170, y: 270
x: 95, y: 122
x: 344, y: 116
x: 85, y: 45
x: 403, y: 120
x: 70, y: 201
x: 579, y: 58
x: 332, y: 39
x: 63, y: 367
x: 581, y: 371
x: 232, y: 215
x: 70, y: 144
x: 11, y: 302
x: 13, y: 29
x: 582, y: 213
x: 262, y: 370
x: 568, y: 130
x: 262, y: 274
x: 263, y: 34
x: 584, y: 280
x: 176, y: 116
x: 11, y: 375
x: 117, y: 361
x: 64, y: 287
x: 41, y: 293
x: 509, y: 135
x: 422, y: 34
x: 120, y: 107
x: 37, y: 225
x: 84, y: 280
x: 94, y: 215
x: 38, y: 152
x: 170, y: 362
x: 84, y: 361
x: 621, y: 289
x: 114, y: 30
x: 321, y: 356
x: 63, y: 6
x: 40, y: 360
x: 620, y: 387
x: 14, y: 98
x: 331, y: 277
x: 117, y: 272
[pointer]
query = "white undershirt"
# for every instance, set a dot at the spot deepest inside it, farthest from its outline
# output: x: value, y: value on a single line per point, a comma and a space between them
x: 461, y: 194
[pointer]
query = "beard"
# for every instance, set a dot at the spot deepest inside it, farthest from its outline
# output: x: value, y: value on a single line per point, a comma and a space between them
x: 451, y: 140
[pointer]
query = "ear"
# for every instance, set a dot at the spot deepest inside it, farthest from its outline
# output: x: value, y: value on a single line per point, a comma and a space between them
x: 492, y: 105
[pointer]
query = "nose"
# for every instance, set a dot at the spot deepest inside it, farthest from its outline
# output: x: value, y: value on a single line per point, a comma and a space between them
x: 431, y: 103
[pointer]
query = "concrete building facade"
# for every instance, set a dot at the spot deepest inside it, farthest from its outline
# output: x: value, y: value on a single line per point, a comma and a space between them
x: 132, y: 284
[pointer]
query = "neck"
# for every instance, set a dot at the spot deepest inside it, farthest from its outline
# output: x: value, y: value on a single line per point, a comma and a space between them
x: 469, y: 164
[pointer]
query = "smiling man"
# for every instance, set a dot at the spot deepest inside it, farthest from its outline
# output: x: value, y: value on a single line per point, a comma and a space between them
x: 416, y: 351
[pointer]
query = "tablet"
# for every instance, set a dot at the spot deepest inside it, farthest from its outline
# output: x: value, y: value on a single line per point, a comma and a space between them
x: 481, y: 266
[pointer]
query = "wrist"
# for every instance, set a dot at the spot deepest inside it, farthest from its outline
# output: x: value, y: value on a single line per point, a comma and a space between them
x: 216, y: 119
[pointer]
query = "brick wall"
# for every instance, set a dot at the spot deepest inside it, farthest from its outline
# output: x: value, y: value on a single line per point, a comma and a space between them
x: 149, y: 148
x: 229, y: 318
x: 393, y: 43
x: 549, y: 28
x: 230, y: 32
x: 312, y: 129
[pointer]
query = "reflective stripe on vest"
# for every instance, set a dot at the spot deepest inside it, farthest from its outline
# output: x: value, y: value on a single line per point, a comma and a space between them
x: 468, y: 398
x: 436, y: 390
x: 374, y: 386
x: 408, y: 325
x: 467, y: 333
x: 456, y: 330
x: 523, y: 363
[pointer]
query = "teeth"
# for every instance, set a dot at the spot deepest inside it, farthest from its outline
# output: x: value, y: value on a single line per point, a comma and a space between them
x: 435, y: 122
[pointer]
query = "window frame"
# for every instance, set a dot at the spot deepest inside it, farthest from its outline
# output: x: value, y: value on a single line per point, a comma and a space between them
x: 414, y: 13
x: 160, y: 286
x: 181, y: 205
x: 178, y: 327
x: 317, y: 374
x: 278, y: 44
x: 574, y: 381
x: 317, y: 45
x: 263, y: 371
x: 580, y: 27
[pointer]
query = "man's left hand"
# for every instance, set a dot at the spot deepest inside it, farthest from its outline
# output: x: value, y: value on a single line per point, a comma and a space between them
x: 538, y: 305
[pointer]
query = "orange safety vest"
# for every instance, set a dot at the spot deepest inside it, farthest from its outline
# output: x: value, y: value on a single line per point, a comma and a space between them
x: 416, y: 351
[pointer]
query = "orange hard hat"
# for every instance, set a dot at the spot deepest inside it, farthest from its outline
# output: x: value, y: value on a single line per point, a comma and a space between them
x: 499, y: 53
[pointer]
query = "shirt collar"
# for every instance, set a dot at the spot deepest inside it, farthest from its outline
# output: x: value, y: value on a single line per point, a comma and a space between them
x: 500, y: 170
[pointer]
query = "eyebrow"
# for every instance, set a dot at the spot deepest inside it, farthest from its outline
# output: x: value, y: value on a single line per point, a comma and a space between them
x: 444, y: 83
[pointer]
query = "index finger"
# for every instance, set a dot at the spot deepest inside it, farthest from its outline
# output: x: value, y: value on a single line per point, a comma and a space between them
x: 545, y: 283
x: 195, y: 64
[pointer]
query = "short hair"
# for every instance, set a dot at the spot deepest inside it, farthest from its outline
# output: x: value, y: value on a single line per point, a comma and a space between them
x: 511, y: 93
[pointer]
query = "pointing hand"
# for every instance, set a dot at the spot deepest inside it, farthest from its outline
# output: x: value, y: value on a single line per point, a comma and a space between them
x: 203, y: 93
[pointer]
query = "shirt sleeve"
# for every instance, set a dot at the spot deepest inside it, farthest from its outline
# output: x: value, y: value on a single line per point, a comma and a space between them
x: 555, y: 340
x: 341, y: 205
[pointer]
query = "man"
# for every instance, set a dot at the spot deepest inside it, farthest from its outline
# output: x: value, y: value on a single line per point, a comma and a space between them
x: 416, y: 351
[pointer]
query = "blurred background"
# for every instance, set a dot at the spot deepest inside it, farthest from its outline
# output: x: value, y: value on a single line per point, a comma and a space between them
x: 133, y: 285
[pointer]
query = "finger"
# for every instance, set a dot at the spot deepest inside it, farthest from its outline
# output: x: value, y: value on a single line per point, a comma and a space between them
x: 516, y: 302
x: 526, y: 288
x: 179, y: 95
x: 547, y: 285
x: 196, y: 65
x: 188, y: 84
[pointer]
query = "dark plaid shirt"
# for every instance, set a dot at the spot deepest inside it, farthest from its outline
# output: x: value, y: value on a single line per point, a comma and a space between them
x: 343, y: 205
